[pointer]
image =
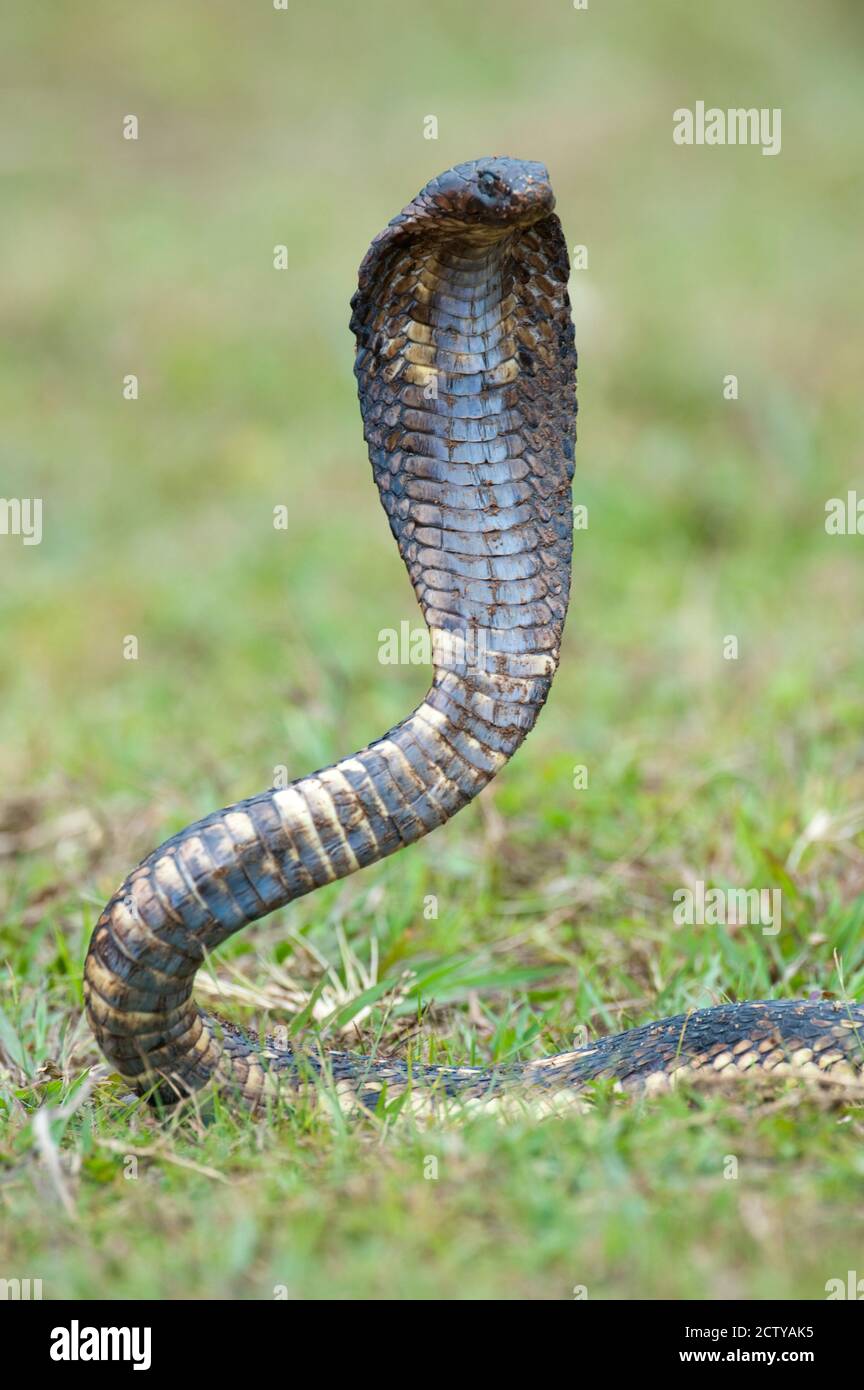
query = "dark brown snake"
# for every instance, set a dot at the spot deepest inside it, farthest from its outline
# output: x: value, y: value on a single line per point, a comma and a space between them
x: 465, y: 364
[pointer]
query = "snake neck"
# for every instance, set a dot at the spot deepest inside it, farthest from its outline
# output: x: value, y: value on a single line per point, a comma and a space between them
x: 456, y: 358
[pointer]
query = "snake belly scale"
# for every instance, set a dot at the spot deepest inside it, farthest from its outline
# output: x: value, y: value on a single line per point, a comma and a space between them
x: 465, y: 364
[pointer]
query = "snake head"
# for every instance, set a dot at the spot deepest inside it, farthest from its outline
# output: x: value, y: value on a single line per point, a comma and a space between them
x: 495, y: 192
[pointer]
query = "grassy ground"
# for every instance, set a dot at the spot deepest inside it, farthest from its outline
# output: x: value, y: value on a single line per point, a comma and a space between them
x: 259, y: 647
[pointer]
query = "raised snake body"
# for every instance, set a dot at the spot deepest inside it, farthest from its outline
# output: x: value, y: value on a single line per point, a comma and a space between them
x: 466, y: 373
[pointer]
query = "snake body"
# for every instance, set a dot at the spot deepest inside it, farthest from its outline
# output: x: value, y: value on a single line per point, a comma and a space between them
x: 465, y: 364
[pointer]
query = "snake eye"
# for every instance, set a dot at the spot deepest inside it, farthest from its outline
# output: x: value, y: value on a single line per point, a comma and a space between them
x: 487, y: 182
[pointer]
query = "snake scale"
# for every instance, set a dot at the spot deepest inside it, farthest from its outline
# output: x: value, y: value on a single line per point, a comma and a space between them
x: 465, y: 364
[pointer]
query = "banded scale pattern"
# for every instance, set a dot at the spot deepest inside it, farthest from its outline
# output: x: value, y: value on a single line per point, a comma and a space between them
x: 465, y: 365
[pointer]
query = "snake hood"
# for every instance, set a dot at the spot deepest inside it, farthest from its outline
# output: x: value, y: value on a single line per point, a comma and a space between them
x: 486, y: 199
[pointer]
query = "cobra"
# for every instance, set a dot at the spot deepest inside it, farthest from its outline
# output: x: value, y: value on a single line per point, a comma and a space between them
x: 465, y: 364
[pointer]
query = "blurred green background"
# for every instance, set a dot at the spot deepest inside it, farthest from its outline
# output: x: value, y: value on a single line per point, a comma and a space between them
x: 259, y: 647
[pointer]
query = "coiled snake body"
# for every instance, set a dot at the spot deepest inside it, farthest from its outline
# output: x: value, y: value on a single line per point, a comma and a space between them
x: 465, y: 365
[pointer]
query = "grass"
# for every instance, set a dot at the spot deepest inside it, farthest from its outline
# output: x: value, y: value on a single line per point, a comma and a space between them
x: 258, y: 647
